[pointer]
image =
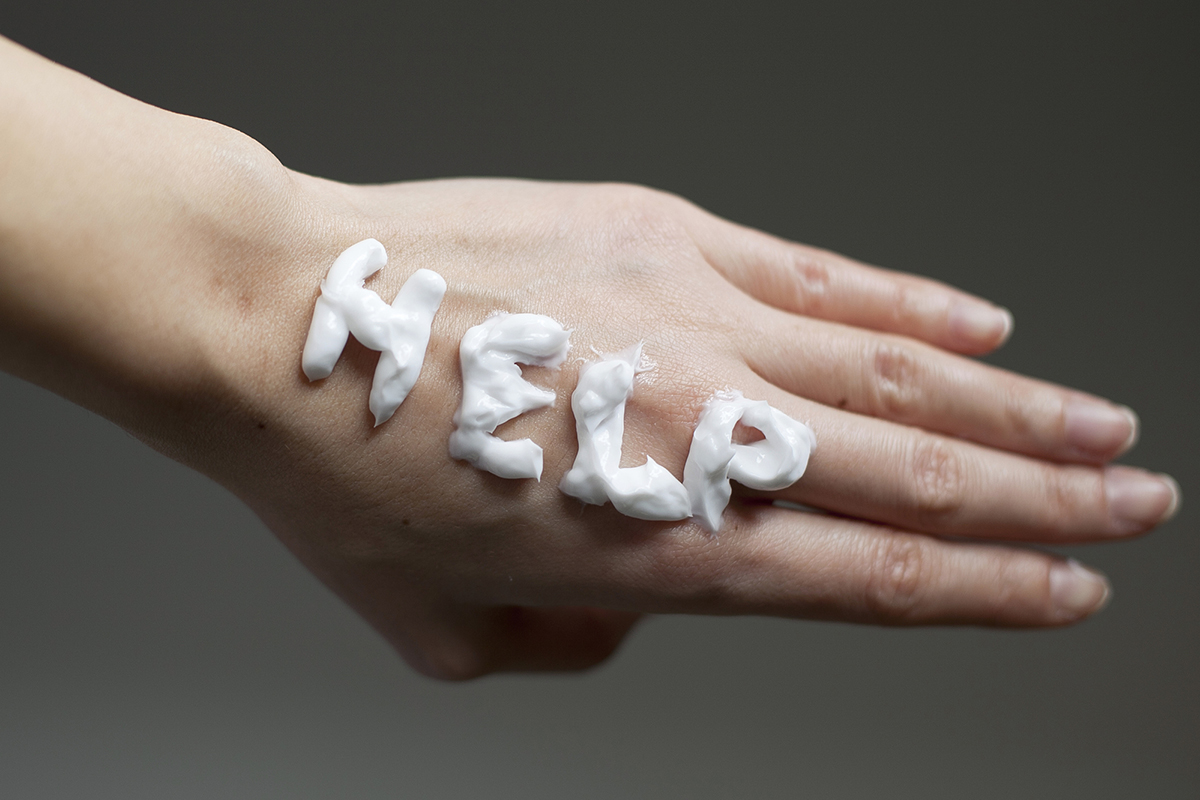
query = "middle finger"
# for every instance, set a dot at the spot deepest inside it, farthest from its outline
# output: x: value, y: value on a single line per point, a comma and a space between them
x: 896, y: 378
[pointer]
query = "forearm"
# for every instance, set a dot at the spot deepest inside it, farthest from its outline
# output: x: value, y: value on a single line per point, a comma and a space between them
x: 128, y: 236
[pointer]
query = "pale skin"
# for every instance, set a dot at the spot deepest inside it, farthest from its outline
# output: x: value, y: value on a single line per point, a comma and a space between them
x: 161, y: 270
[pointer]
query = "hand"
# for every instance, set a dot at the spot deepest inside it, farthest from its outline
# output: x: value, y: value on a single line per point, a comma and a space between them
x: 466, y: 573
x: 204, y: 259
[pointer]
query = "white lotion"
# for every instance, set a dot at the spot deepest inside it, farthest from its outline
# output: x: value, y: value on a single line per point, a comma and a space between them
x: 494, y: 391
x: 645, y: 492
x: 770, y: 464
x: 399, y: 331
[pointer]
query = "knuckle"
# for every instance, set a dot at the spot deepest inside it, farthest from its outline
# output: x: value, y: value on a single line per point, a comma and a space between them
x: 894, y: 379
x: 1018, y: 410
x: 1014, y: 590
x: 1058, y: 497
x: 906, y: 307
x: 811, y: 279
x: 1021, y: 590
x: 898, y: 572
x: 938, y: 480
x: 646, y: 212
x: 636, y: 193
x: 1063, y: 497
x: 1037, y: 589
x: 692, y: 575
x: 1036, y: 415
x: 643, y: 230
x: 628, y: 196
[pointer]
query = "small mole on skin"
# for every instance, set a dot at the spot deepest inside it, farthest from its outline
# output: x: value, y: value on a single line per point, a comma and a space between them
x: 403, y: 522
x: 262, y: 425
x: 843, y: 402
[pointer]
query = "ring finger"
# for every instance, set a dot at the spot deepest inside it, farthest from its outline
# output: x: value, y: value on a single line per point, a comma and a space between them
x: 878, y: 470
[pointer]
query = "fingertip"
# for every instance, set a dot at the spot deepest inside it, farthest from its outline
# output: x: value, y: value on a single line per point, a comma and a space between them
x: 1007, y: 330
x: 1137, y: 500
x: 1077, y: 591
x: 978, y: 327
x: 1098, y: 430
x: 1135, y: 429
x: 1176, y: 497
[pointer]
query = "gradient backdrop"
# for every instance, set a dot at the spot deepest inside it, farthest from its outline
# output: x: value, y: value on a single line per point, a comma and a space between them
x: 156, y: 642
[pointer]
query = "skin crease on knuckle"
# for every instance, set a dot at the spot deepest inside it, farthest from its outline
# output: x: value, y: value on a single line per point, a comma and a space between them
x: 900, y: 569
x: 913, y: 580
x: 1020, y: 410
x: 1070, y: 495
x: 895, y: 380
x: 939, y: 482
x: 1020, y: 592
x: 805, y: 287
x: 812, y: 281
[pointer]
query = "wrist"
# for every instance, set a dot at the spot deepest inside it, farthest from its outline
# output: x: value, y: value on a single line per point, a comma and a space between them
x: 133, y: 245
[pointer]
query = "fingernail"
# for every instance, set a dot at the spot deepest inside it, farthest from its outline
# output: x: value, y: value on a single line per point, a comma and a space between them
x: 1077, y: 591
x: 1099, y: 428
x: 1137, y: 500
x: 981, y: 323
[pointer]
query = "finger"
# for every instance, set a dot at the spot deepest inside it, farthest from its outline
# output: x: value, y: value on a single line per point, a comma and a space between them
x: 775, y: 561
x: 897, y: 378
x: 898, y: 475
x: 817, y: 283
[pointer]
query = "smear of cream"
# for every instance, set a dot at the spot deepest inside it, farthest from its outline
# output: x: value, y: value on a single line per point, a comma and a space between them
x: 645, y: 492
x: 400, y: 331
x: 494, y: 391
x: 770, y: 464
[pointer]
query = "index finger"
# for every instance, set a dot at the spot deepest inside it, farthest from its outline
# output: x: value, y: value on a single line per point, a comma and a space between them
x: 818, y: 283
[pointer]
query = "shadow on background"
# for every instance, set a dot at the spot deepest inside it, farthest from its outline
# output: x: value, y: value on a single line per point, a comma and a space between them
x: 155, y: 641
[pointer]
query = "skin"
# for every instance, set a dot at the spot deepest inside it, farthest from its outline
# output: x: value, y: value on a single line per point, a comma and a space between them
x: 161, y: 270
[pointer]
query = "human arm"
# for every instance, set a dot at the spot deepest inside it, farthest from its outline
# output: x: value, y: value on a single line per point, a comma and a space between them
x: 162, y: 270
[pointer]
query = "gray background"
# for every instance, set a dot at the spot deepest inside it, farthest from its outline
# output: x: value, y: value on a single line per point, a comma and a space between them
x: 155, y: 641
